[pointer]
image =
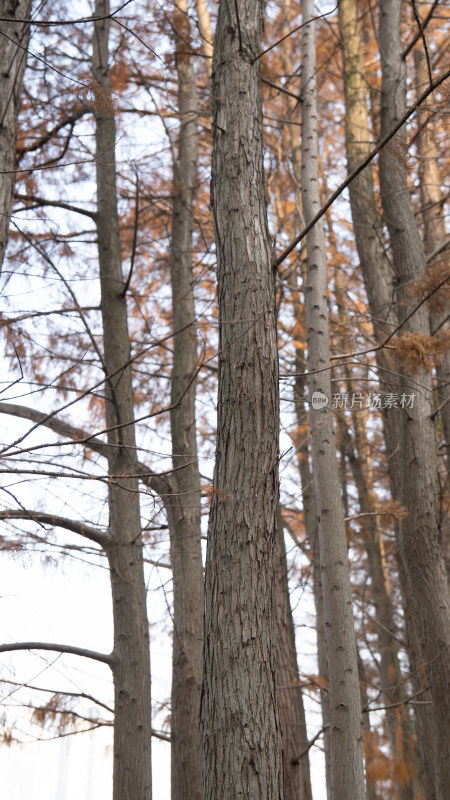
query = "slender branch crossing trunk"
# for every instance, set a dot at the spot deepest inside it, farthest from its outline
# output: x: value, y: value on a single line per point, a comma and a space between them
x: 183, y: 507
x: 131, y: 668
x: 14, y: 42
x: 425, y: 585
x: 346, y: 740
x: 241, y: 726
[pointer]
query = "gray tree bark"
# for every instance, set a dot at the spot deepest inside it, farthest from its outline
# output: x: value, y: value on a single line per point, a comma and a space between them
x: 378, y: 281
x: 398, y: 723
x: 312, y: 535
x: 434, y: 235
x: 347, y: 776
x: 425, y: 585
x: 346, y: 740
x: 297, y: 778
x: 241, y: 725
x: 131, y: 667
x: 183, y: 506
x: 14, y: 42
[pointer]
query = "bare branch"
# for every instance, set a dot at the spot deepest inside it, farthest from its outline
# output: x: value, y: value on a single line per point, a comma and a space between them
x: 104, y: 658
x: 100, y: 537
x: 368, y: 159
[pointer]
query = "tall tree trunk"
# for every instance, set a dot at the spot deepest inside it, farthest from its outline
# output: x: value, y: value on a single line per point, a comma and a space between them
x: 204, y: 25
x: 183, y: 507
x: 312, y: 535
x: 346, y: 741
x: 425, y: 582
x: 297, y: 778
x: 378, y: 281
x: 435, y: 234
x: 303, y: 443
x: 131, y: 669
x: 242, y: 732
x: 398, y: 722
x: 13, y: 55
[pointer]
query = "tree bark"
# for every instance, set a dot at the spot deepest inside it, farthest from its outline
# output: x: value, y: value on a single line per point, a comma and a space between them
x: 183, y: 507
x: 435, y: 234
x: 346, y: 740
x: 13, y: 55
x: 378, y: 281
x: 359, y: 457
x: 312, y: 535
x: 425, y: 582
x: 297, y: 778
x: 241, y: 725
x: 131, y: 668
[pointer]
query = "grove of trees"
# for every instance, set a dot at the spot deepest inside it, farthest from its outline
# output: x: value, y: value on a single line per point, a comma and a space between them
x: 225, y: 308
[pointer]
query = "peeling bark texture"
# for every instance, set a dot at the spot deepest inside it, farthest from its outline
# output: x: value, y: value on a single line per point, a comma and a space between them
x: 131, y: 668
x: 346, y: 738
x: 241, y: 725
x: 14, y: 42
x: 425, y: 586
x: 297, y: 778
x: 183, y: 507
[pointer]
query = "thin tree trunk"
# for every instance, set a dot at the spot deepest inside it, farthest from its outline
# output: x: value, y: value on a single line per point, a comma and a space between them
x: 13, y: 55
x: 183, y: 507
x: 297, y: 779
x: 204, y: 25
x: 346, y: 740
x: 131, y: 669
x: 303, y: 443
x: 398, y: 723
x: 312, y: 535
x: 378, y: 281
x: 425, y: 582
x: 241, y: 725
x: 435, y: 234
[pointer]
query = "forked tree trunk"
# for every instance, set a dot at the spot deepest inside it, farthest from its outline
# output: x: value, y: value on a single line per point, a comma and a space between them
x: 346, y: 741
x: 183, y: 507
x: 425, y: 585
x: 131, y: 669
x: 13, y: 55
x: 241, y: 725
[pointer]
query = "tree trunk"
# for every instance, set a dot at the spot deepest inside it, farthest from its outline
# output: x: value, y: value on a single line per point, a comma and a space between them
x: 346, y: 740
x: 13, y: 55
x: 183, y: 507
x: 131, y: 669
x: 297, y: 779
x: 241, y: 725
x: 435, y: 234
x: 378, y: 281
x: 398, y: 722
x: 425, y: 582
x: 312, y: 535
